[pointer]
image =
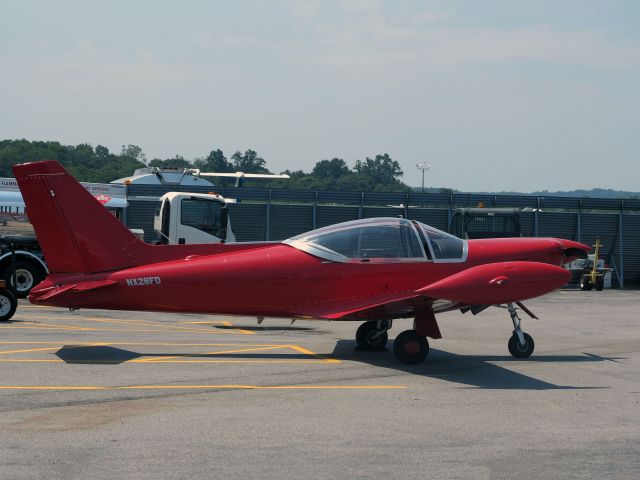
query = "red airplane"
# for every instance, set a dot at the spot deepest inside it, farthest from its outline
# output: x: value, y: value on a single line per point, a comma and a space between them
x: 373, y: 270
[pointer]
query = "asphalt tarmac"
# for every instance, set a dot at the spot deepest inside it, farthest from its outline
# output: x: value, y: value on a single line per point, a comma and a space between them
x: 110, y: 394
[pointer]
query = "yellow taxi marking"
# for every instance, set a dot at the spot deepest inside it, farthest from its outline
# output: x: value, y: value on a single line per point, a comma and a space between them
x: 204, y: 387
x: 4, y: 352
x: 222, y: 322
x: 170, y: 328
x: 223, y: 352
x: 313, y: 354
x: 160, y: 327
x: 177, y: 358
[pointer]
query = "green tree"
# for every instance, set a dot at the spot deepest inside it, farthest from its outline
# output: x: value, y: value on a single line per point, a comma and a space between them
x: 381, y: 170
x: 331, y: 169
x: 176, y: 162
x: 132, y: 152
x: 215, y: 162
x: 249, y: 162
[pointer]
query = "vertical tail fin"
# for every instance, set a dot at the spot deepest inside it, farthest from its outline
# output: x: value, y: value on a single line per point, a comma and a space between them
x: 76, y: 233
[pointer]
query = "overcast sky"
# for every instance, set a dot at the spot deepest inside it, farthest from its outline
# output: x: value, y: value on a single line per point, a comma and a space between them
x: 496, y: 95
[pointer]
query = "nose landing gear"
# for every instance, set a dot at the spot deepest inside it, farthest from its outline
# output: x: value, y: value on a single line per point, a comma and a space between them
x: 520, y: 344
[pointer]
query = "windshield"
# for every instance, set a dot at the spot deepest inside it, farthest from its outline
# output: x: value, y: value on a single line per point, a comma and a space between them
x: 443, y: 246
x: 380, y: 238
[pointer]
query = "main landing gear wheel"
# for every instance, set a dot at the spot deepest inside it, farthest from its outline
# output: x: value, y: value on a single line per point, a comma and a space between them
x: 8, y: 304
x: 411, y: 348
x: 519, y: 350
x: 371, y: 337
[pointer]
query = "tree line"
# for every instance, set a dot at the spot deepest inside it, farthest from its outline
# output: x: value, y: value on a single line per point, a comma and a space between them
x: 89, y: 164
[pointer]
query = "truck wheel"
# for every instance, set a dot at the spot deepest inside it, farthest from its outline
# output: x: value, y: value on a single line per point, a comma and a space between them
x: 585, y: 284
x: 28, y: 275
x: 8, y: 304
x: 600, y: 284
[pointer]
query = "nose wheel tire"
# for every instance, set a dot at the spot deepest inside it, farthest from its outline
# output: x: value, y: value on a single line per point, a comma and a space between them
x: 518, y: 350
x: 369, y: 337
x: 8, y: 304
x: 411, y: 348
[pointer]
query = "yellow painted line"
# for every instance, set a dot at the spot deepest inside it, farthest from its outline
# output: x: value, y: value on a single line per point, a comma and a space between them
x: 158, y: 344
x: 204, y: 387
x: 212, y: 360
x: 223, y: 352
x: 88, y: 329
x: 313, y: 354
x: 221, y: 322
x: 20, y: 306
x: 168, y: 328
x: 5, y: 352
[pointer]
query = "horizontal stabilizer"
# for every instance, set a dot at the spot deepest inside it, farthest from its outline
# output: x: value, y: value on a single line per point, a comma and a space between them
x: 52, y: 292
x: 496, y: 283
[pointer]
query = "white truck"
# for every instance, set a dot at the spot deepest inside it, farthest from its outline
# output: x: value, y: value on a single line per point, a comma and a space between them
x: 193, y: 218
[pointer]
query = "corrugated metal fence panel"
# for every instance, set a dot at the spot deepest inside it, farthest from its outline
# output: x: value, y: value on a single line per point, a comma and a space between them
x: 372, y: 212
x: 601, y: 203
x: 248, y: 221
x: 247, y: 194
x: 385, y: 198
x: 329, y: 215
x: 436, y: 217
x: 631, y: 240
x: 519, y: 201
x: 349, y: 198
x: 473, y: 200
x: 558, y: 225
x: 290, y: 220
x: 293, y: 195
x: 431, y: 199
x: 558, y: 202
x: 632, y: 204
x: 140, y: 215
x: 527, y: 224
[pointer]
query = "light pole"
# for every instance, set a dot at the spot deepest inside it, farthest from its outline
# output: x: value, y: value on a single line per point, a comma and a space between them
x: 422, y: 167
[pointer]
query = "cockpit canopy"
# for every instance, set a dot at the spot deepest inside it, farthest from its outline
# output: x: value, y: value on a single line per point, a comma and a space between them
x: 381, y: 239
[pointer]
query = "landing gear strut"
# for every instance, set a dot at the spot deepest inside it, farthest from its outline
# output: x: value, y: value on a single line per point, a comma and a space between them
x: 520, y: 344
x: 372, y: 335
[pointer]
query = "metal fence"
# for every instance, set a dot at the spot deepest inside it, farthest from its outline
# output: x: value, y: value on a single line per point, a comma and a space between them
x: 267, y: 214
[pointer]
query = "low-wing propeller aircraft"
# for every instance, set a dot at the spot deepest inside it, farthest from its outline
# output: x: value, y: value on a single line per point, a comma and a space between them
x: 373, y: 270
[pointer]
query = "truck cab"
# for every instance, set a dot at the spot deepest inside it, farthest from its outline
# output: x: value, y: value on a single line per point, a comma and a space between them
x: 193, y: 218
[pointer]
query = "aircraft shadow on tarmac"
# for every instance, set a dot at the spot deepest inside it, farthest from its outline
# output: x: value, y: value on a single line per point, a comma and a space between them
x: 106, y: 355
x: 471, y: 370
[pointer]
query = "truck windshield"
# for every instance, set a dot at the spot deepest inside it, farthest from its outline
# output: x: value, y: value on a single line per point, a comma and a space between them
x: 204, y: 215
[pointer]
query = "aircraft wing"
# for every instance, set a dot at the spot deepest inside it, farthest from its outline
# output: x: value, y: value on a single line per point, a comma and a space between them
x: 488, y: 284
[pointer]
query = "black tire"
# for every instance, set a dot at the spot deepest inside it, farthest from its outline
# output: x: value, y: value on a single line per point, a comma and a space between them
x: 28, y: 275
x: 411, y: 348
x: 8, y: 304
x: 600, y: 285
x: 365, y: 334
x: 521, y: 351
x: 585, y: 284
